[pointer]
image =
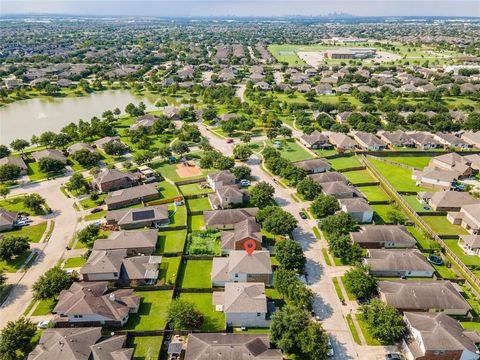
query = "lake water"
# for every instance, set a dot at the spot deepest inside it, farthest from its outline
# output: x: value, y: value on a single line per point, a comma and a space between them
x: 22, y: 119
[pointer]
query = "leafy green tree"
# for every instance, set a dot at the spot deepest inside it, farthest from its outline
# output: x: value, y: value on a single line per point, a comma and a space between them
x: 308, y: 188
x: 4, y: 191
x: 114, y: 148
x: 276, y: 220
x: 289, y: 254
x: 47, y: 138
x: 49, y: 285
x: 396, y: 217
x: 4, y: 151
x: 338, y: 224
x: 314, y: 342
x: 473, y: 121
x: 228, y: 126
x: 286, y: 328
x: 223, y: 163
x: 246, y: 138
x: 292, y: 288
x: 78, y: 183
x: 324, y: 205
x: 19, y: 144
x: 241, y: 172
x: 261, y: 194
x: 242, y: 152
x: 34, y: 202
x: 9, y: 172
x: 385, y: 323
x: 180, y: 148
x: 342, y: 247
x: 359, y: 281
x: 50, y: 165
x: 182, y: 315
x: 13, y: 246
x: 3, y: 278
x: 144, y: 157
x: 15, y: 339
x: 88, y: 234
x: 86, y: 158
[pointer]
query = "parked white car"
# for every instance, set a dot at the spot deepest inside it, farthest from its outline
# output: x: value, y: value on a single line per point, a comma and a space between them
x: 43, y: 324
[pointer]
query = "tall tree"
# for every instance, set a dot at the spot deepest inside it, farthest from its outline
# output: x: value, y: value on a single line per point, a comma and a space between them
x: 15, y: 339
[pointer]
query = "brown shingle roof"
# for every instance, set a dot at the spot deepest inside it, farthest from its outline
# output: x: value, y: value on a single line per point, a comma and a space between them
x: 228, y: 216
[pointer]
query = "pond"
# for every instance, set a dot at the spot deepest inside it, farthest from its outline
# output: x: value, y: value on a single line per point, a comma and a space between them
x: 22, y: 119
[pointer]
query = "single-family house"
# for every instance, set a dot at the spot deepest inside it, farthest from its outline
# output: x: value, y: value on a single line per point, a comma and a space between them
x: 383, y: 236
x: 172, y: 112
x: 134, y: 241
x: 326, y: 177
x: 72, y: 149
x: 113, y: 179
x: 451, y: 141
x: 454, y: 162
x: 447, y: 200
x: 424, y: 141
x: 7, y: 219
x: 245, y: 230
x: 17, y: 161
x: 226, y: 196
x: 313, y: 166
x: 472, y: 138
x: 315, y: 140
x: 341, y: 141
x: 91, y: 304
x: 470, y: 244
x: 240, y: 266
x: 103, y: 265
x: 424, y: 296
x: 209, y: 346
x: 140, y: 270
x: 244, y: 304
x: 435, y: 179
x: 343, y: 116
x: 100, y: 143
x: 222, y: 178
x: 468, y: 217
x: 438, y: 336
x: 396, y: 138
x: 324, y: 89
x: 368, y: 141
x: 149, y: 216
x: 398, y: 262
x: 80, y: 344
x: 339, y: 190
x: 228, y: 218
x: 131, y: 196
x: 49, y: 153
x: 358, y: 208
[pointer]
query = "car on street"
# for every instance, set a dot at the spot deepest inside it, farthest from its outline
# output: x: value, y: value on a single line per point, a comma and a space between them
x: 393, y: 357
x: 245, y: 182
x: 302, y: 215
x: 21, y: 223
x: 43, y: 324
x: 229, y: 141
x: 26, y: 219
x: 96, y: 210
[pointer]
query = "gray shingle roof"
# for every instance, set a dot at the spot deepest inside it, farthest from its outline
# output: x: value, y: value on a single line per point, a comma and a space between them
x: 245, y: 298
x: 228, y: 216
x: 399, y: 260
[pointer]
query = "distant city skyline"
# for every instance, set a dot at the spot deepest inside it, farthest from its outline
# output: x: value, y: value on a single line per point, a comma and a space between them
x: 202, y: 8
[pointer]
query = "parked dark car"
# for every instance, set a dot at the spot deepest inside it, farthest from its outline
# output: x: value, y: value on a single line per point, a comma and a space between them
x: 302, y: 215
x: 96, y: 210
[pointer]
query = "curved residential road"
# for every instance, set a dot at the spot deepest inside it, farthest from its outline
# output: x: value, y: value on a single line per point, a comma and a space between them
x: 49, y: 253
x: 326, y: 303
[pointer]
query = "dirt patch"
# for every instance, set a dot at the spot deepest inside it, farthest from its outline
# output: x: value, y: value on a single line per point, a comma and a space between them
x: 184, y: 170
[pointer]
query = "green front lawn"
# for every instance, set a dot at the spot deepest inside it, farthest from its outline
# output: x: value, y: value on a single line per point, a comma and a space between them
x: 15, y: 204
x: 152, y: 314
x: 74, y: 262
x: 359, y: 177
x: 44, y: 307
x: 418, y: 162
x: 97, y: 216
x: 199, y: 204
x: 168, y: 271
x: 212, y: 320
x: 196, y: 222
x: 194, y: 189
x: 196, y: 274
x: 171, y: 241
x: 292, y: 151
x: 88, y: 203
x: 373, y: 193
x: 33, y: 232
x: 145, y: 347
x: 399, y: 178
x: 14, y: 264
x: 345, y: 162
x: 441, y: 226
x: 34, y: 173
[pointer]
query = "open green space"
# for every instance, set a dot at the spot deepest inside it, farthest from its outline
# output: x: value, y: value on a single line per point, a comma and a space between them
x: 168, y: 271
x: 293, y: 151
x: 212, y: 320
x: 399, y: 178
x: 359, y: 177
x: 199, y: 204
x: 145, y: 347
x: 415, y: 204
x: 441, y: 226
x: 33, y: 232
x: 14, y: 264
x: 196, y: 222
x: 152, y: 313
x: 196, y: 274
x: 74, y: 262
x: 171, y: 241
x: 44, y: 307
x: 194, y: 189
x: 344, y: 162
x: 374, y: 193
x: 469, y: 260
x: 418, y: 162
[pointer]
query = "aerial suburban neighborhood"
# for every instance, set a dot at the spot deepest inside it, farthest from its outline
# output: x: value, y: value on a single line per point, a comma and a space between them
x: 239, y: 187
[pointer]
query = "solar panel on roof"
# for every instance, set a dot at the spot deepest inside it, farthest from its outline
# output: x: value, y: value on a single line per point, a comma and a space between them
x: 143, y: 215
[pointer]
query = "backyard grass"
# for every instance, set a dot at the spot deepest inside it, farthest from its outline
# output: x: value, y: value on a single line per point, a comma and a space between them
x: 373, y: 193
x: 44, y: 307
x: 418, y: 162
x: 444, y: 272
x: 425, y: 242
x: 195, y: 274
x: 212, y: 320
x: 14, y: 264
x: 344, y: 162
x: 441, y: 226
x: 366, y: 333
x: 178, y: 215
x: 353, y: 329
x: 74, y: 262
x: 171, y: 241
x: 323, y: 153
x: 194, y: 189
x: 359, y: 177
x: 33, y: 232
x: 381, y: 213
x: 152, y: 314
x: 204, y: 243
x: 292, y: 151
x: 145, y: 347
x: 472, y: 300
x: 199, y: 204
x: 168, y: 271
x: 399, y: 178
x: 469, y: 260
x: 167, y: 190
x: 415, y: 204
x: 468, y: 325
x: 196, y: 222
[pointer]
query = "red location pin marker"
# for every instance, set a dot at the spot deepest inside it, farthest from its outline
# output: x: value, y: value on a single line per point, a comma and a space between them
x: 249, y: 246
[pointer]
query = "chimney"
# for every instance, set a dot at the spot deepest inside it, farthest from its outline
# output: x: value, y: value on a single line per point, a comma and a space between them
x: 112, y: 297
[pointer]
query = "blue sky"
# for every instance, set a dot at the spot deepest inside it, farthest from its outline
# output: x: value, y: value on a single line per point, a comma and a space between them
x: 192, y: 8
